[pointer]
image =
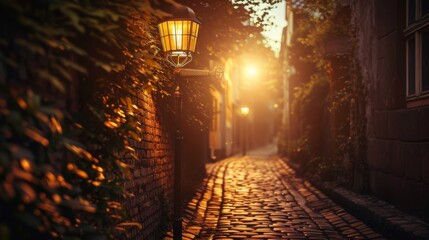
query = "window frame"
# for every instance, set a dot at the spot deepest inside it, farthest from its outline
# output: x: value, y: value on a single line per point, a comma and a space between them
x: 414, y: 30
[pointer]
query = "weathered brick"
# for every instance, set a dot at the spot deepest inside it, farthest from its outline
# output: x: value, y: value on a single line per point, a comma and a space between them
x: 409, y: 127
x: 410, y: 194
x: 151, y: 181
x: 384, y: 19
x: 425, y: 163
x: 397, y: 159
x: 412, y: 159
x: 380, y: 124
x: 394, y: 124
x: 423, y: 123
x: 383, y: 185
x: 379, y: 155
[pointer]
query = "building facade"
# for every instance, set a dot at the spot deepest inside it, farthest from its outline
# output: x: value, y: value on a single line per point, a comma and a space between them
x: 393, y: 43
x: 389, y: 48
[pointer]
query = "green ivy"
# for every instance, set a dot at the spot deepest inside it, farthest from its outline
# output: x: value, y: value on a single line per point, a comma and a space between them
x: 315, y: 102
x: 70, y: 72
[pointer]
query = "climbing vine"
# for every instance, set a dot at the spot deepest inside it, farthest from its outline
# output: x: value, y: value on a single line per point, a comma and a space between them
x: 69, y: 74
x: 331, y: 112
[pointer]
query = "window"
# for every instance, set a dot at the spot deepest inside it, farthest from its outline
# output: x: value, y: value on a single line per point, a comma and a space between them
x: 417, y: 41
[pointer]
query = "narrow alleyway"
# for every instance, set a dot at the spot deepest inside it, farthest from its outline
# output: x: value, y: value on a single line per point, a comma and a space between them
x: 259, y: 197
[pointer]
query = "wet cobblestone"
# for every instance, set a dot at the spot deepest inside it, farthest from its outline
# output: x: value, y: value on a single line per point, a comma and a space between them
x: 259, y: 197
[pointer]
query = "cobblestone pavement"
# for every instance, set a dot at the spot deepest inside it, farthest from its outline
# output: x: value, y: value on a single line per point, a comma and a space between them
x: 259, y: 197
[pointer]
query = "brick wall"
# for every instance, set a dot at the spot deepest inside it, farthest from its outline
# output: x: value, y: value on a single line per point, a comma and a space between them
x: 152, y: 174
x: 398, y: 146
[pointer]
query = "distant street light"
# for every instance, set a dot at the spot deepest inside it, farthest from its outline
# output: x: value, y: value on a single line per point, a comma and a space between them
x: 244, y: 111
x: 179, y: 35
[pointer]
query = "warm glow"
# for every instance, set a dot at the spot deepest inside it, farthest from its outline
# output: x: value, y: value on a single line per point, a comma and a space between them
x: 178, y: 36
x: 178, y: 32
x: 251, y: 71
x: 244, y: 111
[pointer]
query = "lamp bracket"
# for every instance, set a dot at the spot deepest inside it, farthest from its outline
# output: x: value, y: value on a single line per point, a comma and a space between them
x: 179, y: 59
x: 216, y: 73
x: 188, y: 72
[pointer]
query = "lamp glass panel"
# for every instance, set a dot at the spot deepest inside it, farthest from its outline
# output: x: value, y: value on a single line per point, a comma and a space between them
x: 185, y: 40
x: 167, y: 37
x: 160, y: 28
x: 163, y: 43
x: 194, y: 29
x: 171, y: 29
x: 185, y: 37
x: 162, y: 34
x: 193, y: 43
x: 178, y: 35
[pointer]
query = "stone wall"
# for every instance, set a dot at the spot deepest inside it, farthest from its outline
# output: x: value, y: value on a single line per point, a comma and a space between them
x: 152, y: 175
x: 398, y: 146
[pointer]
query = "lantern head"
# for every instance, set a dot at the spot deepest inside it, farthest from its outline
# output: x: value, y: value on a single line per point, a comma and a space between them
x: 179, y: 35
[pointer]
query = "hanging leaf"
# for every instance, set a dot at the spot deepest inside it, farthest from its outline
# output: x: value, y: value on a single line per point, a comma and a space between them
x: 104, y: 66
x: 34, y: 48
x: 74, y: 18
x: 111, y: 124
x: 130, y: 224
x: 37, y: 136
x: 56, y: 126
x: 73, y: 65
x: 51, y: 78
x: 28, y: 194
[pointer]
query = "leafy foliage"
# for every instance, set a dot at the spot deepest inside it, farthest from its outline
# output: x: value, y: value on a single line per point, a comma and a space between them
x: 226, y: 29
x: 323, y: 107
x: 225, y: 33
x: 70, y: 72
x: 309, y: 107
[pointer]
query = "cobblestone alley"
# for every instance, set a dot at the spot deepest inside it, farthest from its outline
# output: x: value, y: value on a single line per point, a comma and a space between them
x: 259, y: 197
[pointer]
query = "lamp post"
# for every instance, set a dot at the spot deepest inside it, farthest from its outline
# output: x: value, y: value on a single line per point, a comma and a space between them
x: 179, y: 38
x: 244, y: 111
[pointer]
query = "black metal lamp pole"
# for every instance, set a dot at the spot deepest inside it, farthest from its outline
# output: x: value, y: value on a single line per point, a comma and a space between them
x: 244, y: 111
x: 178, y: 38
x: 177, y: 222
x: 244, y: 134
x: 179, y: 73
x: 178, y: 34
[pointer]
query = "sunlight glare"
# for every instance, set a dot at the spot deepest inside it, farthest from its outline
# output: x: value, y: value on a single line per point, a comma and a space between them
x: 251, y: 71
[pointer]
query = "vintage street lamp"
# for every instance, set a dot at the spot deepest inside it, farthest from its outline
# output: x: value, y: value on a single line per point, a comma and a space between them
x: 244, y: 111
x: 178, y: 38
x: 179, y: 35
